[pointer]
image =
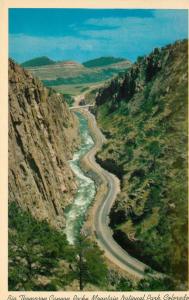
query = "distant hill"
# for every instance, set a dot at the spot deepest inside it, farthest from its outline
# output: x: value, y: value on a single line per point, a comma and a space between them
x: 70, y: 77
x: 102, y: 61
x: 38, y: 61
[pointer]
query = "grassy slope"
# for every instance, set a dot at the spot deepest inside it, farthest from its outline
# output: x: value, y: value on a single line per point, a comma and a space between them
x: 102, y: 61
x: 144, y: 116
x: 38, y: 61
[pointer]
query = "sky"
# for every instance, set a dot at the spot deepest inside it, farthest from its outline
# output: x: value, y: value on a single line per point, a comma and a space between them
x: 84, y: 34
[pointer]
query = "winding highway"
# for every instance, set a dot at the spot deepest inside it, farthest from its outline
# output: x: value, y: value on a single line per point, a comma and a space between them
x: 103, y: 232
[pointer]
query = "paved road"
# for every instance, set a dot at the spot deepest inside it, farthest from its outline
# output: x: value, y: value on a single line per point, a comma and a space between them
x: 102, y: 230
x: 81, y: 106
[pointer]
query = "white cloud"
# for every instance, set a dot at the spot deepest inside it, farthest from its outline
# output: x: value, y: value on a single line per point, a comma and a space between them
x: 165, y: 15
x: 115, y: 22
x: 30, y: 46
x: 21, y: 41
x: 165, y: 25
x: 111, y: 22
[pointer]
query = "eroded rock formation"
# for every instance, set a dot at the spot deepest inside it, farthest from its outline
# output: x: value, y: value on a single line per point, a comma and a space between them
x: 42, y: 138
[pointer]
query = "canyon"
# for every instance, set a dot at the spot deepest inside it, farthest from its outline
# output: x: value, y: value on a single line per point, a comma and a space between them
x: 135, y: 168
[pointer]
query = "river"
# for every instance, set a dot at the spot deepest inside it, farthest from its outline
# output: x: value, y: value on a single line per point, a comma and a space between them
x: 75, y: 213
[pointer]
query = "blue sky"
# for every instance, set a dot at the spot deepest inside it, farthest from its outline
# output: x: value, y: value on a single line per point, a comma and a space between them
x: 83, y: 34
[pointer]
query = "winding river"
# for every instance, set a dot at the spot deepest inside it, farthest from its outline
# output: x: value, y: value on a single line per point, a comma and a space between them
x: 75, y: 213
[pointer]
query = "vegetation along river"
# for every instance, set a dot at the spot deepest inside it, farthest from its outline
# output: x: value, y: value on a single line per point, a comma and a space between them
x: 75, y: 213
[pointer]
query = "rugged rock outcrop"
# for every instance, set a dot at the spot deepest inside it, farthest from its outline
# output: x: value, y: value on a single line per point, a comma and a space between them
x: 42, y: 137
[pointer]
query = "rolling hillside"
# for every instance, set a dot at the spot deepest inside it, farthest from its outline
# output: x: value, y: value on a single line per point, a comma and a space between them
x: 69, y: 77
x: 37, y: 62
x: 102, y: 61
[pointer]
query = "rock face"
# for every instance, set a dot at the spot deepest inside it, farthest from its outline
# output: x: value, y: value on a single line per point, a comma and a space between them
x: 42, y: 138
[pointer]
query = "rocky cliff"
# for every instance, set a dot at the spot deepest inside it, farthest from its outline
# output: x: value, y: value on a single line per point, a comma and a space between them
x: 144, y: 117
x: 42, y: 138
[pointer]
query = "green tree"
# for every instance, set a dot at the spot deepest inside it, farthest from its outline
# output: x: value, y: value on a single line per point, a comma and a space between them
x: 156, y: 284
x: 88, y: 265
x: 125, y: 285
x: 34, y: 249
x: 154, y: 150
